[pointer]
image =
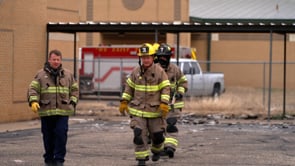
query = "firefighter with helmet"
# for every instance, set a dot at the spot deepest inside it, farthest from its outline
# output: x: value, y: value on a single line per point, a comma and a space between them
x: 178, y: 85
x: 145, y: 99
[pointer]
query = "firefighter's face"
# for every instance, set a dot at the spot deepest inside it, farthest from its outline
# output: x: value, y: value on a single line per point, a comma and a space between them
x: 147, y: 61
x: 54, y: 61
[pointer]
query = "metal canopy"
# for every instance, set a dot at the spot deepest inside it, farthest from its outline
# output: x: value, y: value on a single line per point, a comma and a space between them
x: 208, y: 25
x: 282, y: 26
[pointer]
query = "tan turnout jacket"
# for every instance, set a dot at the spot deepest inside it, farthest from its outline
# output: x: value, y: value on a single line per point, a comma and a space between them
x: 54, y: 97
x: 178, y: 83
x: 145, y: 92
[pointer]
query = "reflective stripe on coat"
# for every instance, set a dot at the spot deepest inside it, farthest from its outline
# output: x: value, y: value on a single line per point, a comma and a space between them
x: 54, y: 97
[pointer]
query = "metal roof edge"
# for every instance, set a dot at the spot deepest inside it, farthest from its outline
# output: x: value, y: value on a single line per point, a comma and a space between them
x: 195, y: 25
x: 243, y: 20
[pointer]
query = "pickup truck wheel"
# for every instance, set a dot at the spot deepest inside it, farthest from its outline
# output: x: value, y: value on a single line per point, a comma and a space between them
x: 216, y: 91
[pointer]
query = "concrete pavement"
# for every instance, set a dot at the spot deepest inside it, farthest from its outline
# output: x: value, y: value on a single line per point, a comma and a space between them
x: 109, y: 143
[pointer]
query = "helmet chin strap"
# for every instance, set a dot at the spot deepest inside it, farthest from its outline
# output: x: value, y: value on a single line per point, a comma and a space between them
x: 139, y: 63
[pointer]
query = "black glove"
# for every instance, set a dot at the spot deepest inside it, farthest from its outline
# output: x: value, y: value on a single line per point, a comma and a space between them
x: 178, y: 96
x: 73, y: 103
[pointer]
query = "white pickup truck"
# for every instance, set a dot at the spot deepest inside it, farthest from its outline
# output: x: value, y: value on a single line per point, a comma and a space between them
x: 199, y: 82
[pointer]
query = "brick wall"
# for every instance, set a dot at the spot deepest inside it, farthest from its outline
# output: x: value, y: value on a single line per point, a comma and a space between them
x: 22, y: 34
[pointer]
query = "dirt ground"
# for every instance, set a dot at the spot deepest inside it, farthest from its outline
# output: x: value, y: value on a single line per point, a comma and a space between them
x: 99, y: 136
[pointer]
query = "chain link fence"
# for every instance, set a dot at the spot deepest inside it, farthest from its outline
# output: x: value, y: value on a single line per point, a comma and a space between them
x: 255, y: 83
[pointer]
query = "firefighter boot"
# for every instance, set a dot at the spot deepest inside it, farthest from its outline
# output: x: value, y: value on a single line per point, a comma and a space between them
x: 141, y: 163
x: 156, y: 156
x: 163, y: 153
x: 59, y: 164
x: 170, y: 152
x: 50, y: 163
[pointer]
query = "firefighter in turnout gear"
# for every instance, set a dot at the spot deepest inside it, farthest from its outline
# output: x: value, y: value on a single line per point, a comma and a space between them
x: 145, y: 99
x: 53, y: 94
x: 178, y: 85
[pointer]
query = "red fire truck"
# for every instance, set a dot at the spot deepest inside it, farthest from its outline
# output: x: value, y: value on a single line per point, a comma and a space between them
x: 103, y: 69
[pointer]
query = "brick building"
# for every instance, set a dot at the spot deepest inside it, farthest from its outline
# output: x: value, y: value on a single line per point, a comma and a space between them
x: 23, y: 37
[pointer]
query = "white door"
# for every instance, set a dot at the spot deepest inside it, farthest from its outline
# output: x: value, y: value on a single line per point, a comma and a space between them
x: 194, y: 78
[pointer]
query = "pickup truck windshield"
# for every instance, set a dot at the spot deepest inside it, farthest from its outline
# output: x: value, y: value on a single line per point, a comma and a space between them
x: 189, y: 67
x: 194, y: 69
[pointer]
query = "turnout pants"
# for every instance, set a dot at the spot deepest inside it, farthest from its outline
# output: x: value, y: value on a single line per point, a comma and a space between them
x: 144, y: 127
x: 171, y: 137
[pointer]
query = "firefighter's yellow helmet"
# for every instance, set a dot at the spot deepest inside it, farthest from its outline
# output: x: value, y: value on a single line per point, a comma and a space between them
x: 156, y: 46
x: 146, y: 49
